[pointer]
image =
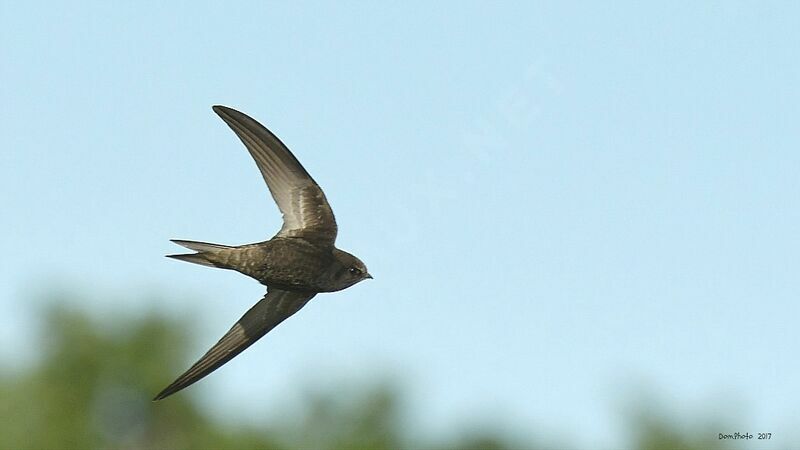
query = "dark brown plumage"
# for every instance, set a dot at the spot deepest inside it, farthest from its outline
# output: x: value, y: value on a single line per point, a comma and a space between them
x: 296, y: 264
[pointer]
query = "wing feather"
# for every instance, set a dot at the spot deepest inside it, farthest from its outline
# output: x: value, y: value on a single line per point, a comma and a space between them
x: 306, y: 212
x: 274, y: 308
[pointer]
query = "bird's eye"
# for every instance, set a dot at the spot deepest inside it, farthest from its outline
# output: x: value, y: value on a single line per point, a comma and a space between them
x: 355, y: 270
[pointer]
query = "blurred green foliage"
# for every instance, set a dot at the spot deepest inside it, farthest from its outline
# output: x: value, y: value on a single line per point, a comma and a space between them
x: 92, y: 385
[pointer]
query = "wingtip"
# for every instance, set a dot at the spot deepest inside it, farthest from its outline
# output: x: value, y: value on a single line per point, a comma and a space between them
x: 221, y: 109
x: 160, y: 396
x: 167, y: 391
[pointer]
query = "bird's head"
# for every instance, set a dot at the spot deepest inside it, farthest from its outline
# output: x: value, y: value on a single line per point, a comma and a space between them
x: 350, y: 269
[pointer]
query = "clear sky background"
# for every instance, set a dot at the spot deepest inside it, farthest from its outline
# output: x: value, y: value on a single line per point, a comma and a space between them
x: 563, y: 204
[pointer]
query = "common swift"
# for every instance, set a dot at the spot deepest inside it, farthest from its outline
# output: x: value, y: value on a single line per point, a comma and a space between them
x: 296, y: 264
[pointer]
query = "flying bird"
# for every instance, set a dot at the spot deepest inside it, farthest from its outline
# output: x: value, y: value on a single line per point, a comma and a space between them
x: 299, y: 262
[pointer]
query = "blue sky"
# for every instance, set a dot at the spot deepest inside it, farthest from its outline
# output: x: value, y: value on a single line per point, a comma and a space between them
x: 563, y: 204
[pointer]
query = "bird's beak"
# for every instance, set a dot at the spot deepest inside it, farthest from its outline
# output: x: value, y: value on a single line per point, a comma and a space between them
x: 368, y: 276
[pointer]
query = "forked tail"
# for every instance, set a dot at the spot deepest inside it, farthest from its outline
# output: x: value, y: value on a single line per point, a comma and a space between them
x: 205, y: 255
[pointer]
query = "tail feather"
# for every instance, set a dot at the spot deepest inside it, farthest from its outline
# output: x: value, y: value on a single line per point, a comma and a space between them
x: 205, y: 255
x: 199, y: 246
x: 196, y: 258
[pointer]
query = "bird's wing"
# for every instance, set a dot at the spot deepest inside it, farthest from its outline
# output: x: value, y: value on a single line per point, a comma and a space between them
x: 306, y: 212
x: 274, y: 308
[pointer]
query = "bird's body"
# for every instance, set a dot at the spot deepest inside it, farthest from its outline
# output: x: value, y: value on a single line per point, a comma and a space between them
x: 293, y: 264
x: 296, y: 264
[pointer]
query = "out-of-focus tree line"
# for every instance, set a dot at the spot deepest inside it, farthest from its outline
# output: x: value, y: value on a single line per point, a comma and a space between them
x: 93, y: 383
